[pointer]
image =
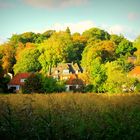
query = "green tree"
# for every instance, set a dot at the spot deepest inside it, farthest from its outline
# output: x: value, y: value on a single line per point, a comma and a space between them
x: 98, y: 75
x: 117, y: 79
x: 28, y: 61
x: 102, y: 49
x: 96, y: 33
x: 125, y: 47
x: 54, y: 50
x: 116, y: 38
x: 68, y: 30
x: 137, y: 53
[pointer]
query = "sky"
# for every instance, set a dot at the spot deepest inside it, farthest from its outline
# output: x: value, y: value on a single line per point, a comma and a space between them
x: 114, y: 16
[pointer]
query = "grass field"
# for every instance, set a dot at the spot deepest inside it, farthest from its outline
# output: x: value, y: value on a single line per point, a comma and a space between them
x: 70, y: 116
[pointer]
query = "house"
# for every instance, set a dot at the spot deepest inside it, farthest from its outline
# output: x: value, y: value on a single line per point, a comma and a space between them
x: 64, y: 70
x: 135, y: 72
x: 17, y: 81
x: 74, y: 83
x: 68, y: 72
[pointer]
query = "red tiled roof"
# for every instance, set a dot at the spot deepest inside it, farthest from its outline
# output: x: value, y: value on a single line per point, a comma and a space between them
x: 17, y: 78
x: 73, y: 80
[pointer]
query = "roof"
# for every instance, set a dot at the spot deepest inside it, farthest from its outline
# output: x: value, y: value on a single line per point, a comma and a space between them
x: 66, y: 66
x: 135, y: 72
x: 74, y: 80
x: 16, y: 80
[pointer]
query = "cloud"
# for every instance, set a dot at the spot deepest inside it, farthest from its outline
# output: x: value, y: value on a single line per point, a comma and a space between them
x: 4, y: 4
x: 133, y: 16
x: 116, y: 29
x: 2, y: 40
x: 55, y: 3
x: 74, y: 27
x: 127, y: 31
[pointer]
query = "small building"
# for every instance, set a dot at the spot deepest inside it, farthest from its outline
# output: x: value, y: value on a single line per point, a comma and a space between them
x: 63, y: 71
x: 17, y: 81
x: 74, y: 83
x: 68, y: 72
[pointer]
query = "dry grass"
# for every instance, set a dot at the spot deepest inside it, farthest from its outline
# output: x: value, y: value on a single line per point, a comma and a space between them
x: 70, y: 116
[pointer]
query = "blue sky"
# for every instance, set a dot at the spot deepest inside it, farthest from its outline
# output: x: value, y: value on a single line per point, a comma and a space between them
x: 114, y: 16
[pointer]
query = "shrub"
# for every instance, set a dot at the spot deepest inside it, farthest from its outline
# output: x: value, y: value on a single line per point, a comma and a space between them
x: 33, y: 84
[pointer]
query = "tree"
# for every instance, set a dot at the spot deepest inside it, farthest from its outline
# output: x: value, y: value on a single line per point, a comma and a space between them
x: 137, y: 53
x: 38, y: 83
x: 102, y: 49
x: 33, y: 84
x: 68, y: 30
x: 54, y: 50
x: 125, y: 47
x: 116, y: 78
x: 98, y: 75
x: 8, y: 57
x: 116, y: 38
x: 28, y: 61
x: 96, y: 33
x: 48, y: 33
x: 79, y: 43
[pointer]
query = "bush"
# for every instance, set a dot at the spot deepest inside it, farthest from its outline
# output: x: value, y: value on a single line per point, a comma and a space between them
x: 37, y: 83
x: 137, y: 87
x: 33, y: 84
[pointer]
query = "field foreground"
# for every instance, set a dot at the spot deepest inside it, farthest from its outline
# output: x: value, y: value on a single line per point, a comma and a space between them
x: 70, y: 117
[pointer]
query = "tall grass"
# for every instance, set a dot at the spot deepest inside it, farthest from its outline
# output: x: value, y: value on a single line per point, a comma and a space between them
x: 70, y: 117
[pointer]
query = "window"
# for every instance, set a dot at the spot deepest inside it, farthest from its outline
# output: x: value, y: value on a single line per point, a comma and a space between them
x: 22, y: 80
x: 65, y: 71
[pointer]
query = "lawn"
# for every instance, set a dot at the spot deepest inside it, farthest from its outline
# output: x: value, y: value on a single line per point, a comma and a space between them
x: 68, y: 116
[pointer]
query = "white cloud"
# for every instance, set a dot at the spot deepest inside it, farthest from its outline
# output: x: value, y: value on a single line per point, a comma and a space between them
x: 116, y: 29
x: 74, y: 27
x: 2, y: 40
x: 55, y: 3
x: 128, y: 32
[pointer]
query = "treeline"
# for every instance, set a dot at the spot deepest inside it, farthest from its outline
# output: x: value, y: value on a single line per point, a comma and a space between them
x: 103, y: 56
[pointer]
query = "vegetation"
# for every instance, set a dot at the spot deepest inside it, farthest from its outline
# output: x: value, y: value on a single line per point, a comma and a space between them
x: 70, y: 116
x: 101, y: 55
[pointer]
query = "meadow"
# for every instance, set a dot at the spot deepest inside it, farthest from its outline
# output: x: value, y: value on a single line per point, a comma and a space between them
x: 70, y: 116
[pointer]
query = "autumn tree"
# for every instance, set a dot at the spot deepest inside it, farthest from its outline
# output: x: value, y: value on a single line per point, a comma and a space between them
x: 54, y: 50
x: 79, y: 43
x: 102, y: 49
x: 8, y: 57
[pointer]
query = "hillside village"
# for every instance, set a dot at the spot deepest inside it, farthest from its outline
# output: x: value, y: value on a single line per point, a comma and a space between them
x: 94, y: 61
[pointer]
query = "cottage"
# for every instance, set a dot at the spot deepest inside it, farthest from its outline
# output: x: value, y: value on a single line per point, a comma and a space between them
x: 17, y: 81
x: 74, y: 83
x: 64, y: 70
x: 68, y: 72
